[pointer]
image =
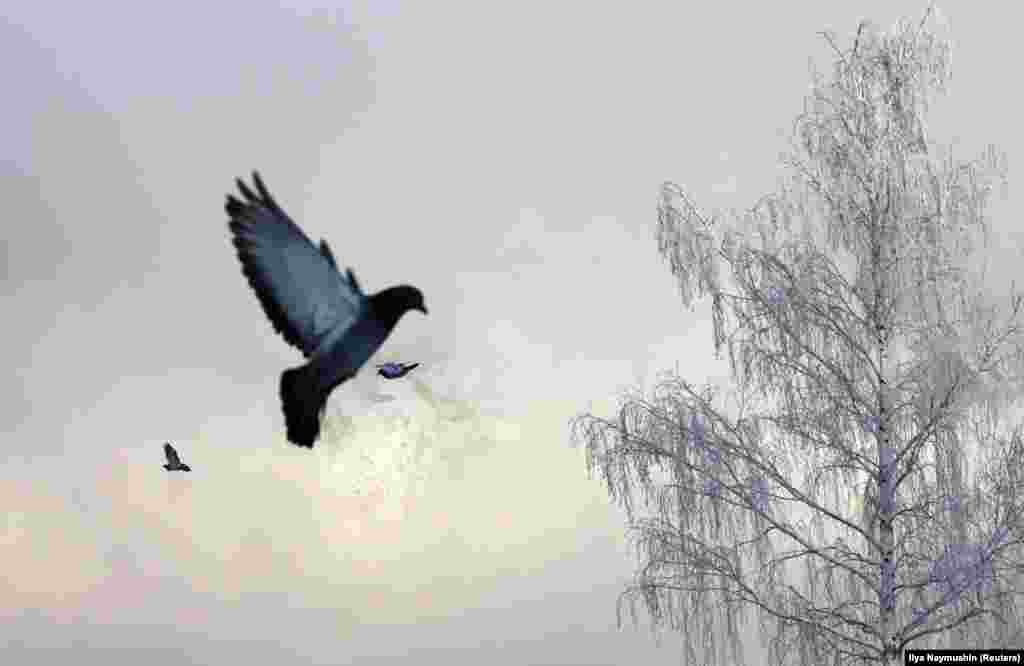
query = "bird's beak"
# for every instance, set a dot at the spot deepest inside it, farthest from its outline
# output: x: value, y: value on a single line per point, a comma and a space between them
x: 423, y: 309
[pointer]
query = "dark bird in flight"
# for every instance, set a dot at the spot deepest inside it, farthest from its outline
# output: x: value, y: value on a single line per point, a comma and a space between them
x: 316, y: 308
x: 395, y: 370
x: 174, y: 463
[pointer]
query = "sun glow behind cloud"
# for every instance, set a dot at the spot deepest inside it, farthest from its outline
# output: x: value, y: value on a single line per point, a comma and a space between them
x: 407, y: 509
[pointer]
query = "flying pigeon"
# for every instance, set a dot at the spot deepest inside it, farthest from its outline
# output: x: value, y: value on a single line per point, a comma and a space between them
x: 395, y: 370
x: 174, y: 463
x: 316, y: 308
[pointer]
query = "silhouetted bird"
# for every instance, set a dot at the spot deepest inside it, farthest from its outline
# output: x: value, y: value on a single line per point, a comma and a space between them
x: 395, y: 370
x: 317, y: 309
x: 174, y: 463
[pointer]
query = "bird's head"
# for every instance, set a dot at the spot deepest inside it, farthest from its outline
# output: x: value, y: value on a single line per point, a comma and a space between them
x: 403, y: 298
x: 389, y: 305
x: 415, y: 300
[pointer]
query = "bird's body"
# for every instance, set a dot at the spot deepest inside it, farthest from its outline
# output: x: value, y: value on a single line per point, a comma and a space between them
x: 395, y: 370
x: 174, y: 463
x: 316, y: 308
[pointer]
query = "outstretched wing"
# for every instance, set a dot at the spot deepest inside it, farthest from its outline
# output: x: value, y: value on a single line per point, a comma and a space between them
x: 297, y: 283
x: 408, y: 367
x: 172, y: 456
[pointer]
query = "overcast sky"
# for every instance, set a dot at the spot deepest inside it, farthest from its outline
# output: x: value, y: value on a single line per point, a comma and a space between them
x: 505, y: 158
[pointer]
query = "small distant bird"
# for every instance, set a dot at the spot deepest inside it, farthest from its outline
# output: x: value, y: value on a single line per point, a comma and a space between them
x: 317, y: 309
x: 174, y: 463
x: 395, y: 370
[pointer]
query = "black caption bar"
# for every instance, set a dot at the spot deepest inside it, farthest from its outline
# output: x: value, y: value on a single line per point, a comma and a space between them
x: 924, y: 657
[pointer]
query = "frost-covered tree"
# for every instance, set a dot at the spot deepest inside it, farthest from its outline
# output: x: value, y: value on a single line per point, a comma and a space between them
x: 857, y: 490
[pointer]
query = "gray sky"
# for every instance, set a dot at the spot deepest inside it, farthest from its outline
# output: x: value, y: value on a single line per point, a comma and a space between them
x: 506, y: 160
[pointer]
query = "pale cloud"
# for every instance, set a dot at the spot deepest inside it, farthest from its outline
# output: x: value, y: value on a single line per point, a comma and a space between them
x: 395, y: 504
x: 49, y: 559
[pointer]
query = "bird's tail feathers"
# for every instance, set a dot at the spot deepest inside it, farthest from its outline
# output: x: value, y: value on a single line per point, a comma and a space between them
x: 302, y: 400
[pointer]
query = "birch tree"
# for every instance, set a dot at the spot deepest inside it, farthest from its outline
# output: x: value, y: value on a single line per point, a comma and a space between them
x: 855, y: 491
